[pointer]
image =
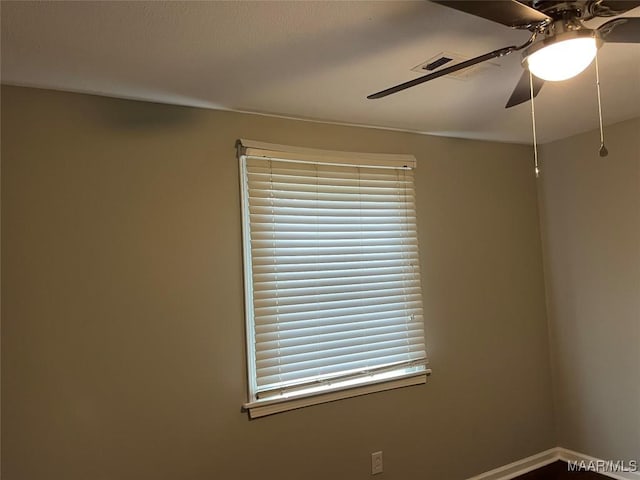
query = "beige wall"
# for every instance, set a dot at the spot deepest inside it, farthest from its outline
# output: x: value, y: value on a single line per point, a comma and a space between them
x: 590, y: 210
x: 122, y: 342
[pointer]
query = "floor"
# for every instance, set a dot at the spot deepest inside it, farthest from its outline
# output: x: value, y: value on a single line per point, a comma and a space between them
x: 559, y: 471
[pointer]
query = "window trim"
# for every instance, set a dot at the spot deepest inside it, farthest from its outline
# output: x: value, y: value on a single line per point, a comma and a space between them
x: 261, y: 408
x: 257, y: 407
x: 312, y: 155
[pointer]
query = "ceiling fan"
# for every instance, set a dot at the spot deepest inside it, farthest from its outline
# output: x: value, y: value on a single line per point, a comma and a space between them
x: 560, y: 45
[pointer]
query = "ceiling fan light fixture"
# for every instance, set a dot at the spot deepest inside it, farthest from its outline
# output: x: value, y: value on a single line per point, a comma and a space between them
x: 562, y: 57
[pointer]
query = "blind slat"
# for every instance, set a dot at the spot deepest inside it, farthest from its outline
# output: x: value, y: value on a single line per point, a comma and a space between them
x: 329, y: 306
x: 331, y: 324
x: 330, y: 356
x: 315, y: 297
x: 283, y: 260
x: 308, y: 267
x: 284, y: 378
x: 329, y: 280
x: 333, y: 314
x: 376, y: 334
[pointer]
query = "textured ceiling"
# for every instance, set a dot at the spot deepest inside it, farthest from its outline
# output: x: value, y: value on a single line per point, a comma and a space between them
x: 314, y: 60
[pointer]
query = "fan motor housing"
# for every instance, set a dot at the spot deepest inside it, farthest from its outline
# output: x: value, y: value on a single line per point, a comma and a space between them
x: 556, y: 10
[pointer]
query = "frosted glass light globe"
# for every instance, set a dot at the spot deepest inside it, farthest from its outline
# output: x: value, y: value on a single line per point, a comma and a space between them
x: 564, y: 59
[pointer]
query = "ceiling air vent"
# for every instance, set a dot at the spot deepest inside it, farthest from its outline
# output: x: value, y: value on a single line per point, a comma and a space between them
x: 447, y: 59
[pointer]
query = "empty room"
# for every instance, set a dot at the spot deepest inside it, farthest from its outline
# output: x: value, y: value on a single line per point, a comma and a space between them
x: 313, y: 240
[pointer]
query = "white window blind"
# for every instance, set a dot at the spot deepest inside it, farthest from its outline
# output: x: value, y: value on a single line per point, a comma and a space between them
x: 332, y: 273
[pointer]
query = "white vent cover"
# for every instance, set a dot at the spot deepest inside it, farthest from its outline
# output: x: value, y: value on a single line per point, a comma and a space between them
x: 447, y: 59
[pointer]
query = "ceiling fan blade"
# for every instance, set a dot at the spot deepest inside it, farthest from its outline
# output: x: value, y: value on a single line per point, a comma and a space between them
x: 522, y: 92
x: 445, y: 71
x: 507, y: 12
x: 614, y: 7
x: 621, y: 30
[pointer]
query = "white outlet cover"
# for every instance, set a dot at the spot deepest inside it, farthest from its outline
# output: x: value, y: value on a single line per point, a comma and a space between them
x: 376, y: 463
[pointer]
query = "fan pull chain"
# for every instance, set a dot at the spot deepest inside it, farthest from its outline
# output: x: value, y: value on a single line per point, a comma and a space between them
x: 603, y: 150
x: 533, y: 123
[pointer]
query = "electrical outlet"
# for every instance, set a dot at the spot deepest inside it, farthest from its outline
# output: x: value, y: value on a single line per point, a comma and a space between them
x: 376, y: 463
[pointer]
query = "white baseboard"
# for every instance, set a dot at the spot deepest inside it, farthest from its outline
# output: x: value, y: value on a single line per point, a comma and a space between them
x: 520, y: 467
x: 525, y: 465
x: 571, y: 456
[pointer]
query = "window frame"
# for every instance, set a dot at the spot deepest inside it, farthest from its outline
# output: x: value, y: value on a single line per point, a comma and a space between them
x: 258, y: 407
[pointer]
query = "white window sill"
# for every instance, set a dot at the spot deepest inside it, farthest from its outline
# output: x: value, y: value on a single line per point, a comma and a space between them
x: 269, y: 406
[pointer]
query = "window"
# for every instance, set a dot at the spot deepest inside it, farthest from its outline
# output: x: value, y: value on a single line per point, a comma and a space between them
x: 332, y: 281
